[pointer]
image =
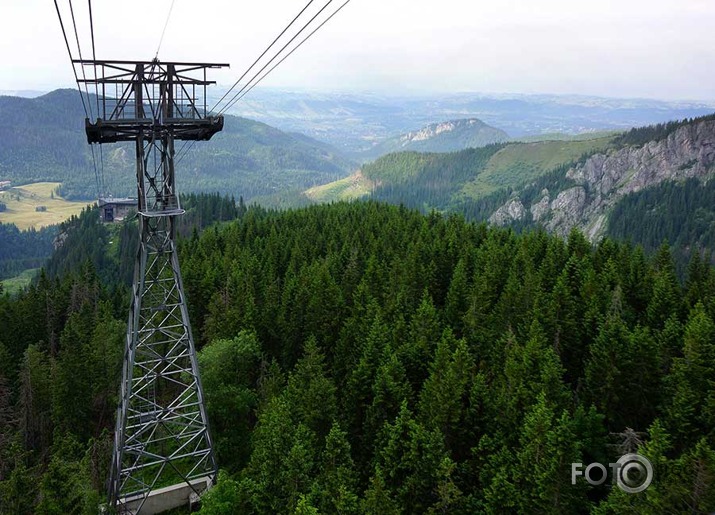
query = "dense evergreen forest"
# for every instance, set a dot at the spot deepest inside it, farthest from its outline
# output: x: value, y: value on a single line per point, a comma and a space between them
x: 681, y: 213
x: 366, y: 358
x: 20, y: 250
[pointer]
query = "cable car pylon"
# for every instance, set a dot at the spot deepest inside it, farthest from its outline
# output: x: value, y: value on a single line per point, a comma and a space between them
x: 163, y: 453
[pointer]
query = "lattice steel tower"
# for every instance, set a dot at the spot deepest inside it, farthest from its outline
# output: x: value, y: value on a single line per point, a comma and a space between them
x: 162, y: 436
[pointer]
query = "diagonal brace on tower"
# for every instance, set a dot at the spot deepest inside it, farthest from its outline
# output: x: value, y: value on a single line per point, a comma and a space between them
x: 162, y: 444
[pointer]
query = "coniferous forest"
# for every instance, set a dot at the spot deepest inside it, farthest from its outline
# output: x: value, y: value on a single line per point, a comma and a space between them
x: 20, y: 250
x: 361, y: 358
x: 677, y: 212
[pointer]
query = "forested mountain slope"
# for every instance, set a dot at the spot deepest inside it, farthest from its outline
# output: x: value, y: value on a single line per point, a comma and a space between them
x: 450, y: 181
x: 448, y: 136
x: 20, y: 250
x: 366, y: 358
x: 562, y: 184
x: 42, y: 139
x: 642, y: 158
x: 110, y: 249
x: 679, y: 212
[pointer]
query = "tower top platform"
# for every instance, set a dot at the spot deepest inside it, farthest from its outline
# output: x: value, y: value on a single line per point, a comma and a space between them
x: 147, y: 99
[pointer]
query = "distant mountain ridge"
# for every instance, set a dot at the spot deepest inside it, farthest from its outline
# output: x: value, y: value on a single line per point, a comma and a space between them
x: 448, y: 136
x: 25, y: 93
x: 354, y: 121
x: 42, y: 139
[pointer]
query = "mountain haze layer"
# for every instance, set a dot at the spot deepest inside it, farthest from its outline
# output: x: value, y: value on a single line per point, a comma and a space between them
x: 354, y: 122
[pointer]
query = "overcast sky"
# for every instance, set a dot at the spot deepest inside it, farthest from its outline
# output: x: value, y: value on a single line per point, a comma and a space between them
x: 625, y: 48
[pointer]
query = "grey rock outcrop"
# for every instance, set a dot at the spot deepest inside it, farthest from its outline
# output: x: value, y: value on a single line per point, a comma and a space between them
x: 511, y: 211
x: 540, y: 208
x: 567, y: 206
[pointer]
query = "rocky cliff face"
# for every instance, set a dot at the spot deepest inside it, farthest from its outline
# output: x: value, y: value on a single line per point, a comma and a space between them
x: 604, y: 178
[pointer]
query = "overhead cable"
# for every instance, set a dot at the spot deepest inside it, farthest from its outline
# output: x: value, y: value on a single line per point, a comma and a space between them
x: 161, y: 39
x: 262, y: 54
x: 231, y: 102
x: 288, y: 55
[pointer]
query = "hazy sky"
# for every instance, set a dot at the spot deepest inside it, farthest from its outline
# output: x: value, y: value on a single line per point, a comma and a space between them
x: 624, y: 48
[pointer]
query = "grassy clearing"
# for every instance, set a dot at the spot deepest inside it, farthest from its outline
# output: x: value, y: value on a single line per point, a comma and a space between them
x: 349, y: 188
x: 560, y: 136
x: 522, y: 162
x: 17, y: 283
x: 22, y: 200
